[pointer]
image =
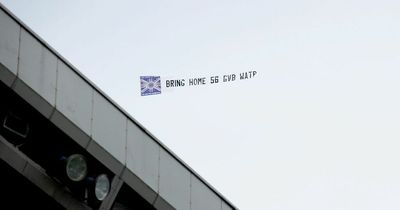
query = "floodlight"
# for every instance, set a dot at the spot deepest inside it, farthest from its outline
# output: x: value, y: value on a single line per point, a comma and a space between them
x: 16, y: 125
x: 76, y: 167
x: 102, y: 187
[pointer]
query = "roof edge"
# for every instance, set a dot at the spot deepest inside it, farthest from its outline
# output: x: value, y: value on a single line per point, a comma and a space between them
x: 111, y: 101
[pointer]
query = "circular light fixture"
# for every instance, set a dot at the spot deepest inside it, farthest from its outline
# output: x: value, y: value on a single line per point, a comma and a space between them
x: 102, y: 187
x: 76, y: 167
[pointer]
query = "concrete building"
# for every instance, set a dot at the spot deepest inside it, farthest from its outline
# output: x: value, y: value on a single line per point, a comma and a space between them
x: 64, y: 144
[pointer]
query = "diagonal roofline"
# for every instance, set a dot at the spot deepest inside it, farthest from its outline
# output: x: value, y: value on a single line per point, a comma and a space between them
x: 111, y: 101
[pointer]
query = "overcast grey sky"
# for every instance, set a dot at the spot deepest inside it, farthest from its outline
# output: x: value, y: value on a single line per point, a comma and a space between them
x: 317, y: 128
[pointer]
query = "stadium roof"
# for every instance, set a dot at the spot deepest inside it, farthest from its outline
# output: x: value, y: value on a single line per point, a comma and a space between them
x: 40, y: 75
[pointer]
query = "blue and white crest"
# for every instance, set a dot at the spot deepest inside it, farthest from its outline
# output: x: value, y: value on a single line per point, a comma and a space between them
x: 150, y: 85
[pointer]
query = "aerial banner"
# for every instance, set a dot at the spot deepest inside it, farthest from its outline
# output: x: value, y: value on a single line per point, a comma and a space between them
x: 151, y: 85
